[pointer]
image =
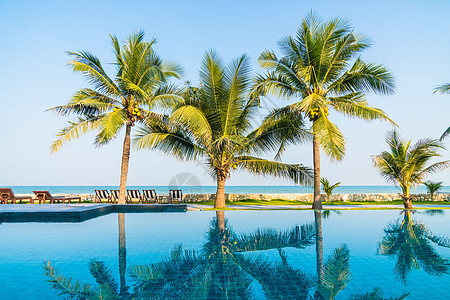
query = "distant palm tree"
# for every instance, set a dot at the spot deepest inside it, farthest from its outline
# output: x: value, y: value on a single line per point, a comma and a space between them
x: 215, y: 122
x: 411, y: 243
x: 406, y: 164
x: 444, y: 89
x: 321, y: 68
x: 140, y: 83
x: 327, y: 188
x: 433, y: 187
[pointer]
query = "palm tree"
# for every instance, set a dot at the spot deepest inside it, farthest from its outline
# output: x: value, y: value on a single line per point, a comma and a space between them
x: 406, y: 164
x: 321, y: 68
x: 327, y: 188
x: 443, y: 89
x: 433, y: 187
x: 215, y: 122
x: 139, y: 86
x: 411, y: 243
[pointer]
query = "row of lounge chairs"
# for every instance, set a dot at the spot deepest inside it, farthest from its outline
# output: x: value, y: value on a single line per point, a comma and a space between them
x: 7, y: 195
x: 147, y: 196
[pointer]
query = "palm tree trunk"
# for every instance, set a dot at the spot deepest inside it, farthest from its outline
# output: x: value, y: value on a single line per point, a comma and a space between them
x: 220, y: 215
x: 317, y: 203
x: 122, y: 254
x: 319, y: 250
x: 220, y: 194
x: 407, y: 203
x: 124, y: 167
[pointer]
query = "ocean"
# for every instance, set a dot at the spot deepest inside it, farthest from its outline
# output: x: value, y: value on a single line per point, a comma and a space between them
x: 357, y: 189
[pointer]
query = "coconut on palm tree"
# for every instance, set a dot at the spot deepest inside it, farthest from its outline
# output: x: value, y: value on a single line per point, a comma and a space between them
x: 408, y: 165
x: 322, y: 70
x: 444, y: 89
x: 139, y: 87
x: 215, y: 123
x: 433, y: 187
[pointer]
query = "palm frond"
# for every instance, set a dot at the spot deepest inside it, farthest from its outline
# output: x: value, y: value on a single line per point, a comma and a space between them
x: 164, y: 97
x: 109, y: 126
x: 86, y: 102
x: 377, y: 294
x: 330, y: 138
x: 270, y: 275
x: 102, y: 274
x: 67, y: 286
x: 296, y: 172
x: 169, y: 138
x: 355, y: 105
x: 445, y: 134
x: 364, y: 77
x: 194, y: 119
x: 89, y: 65
x: 74, y: 131
x: 336, y: 273
x: 281, y: 128
x: 443, y: 89
x: 265, y: 239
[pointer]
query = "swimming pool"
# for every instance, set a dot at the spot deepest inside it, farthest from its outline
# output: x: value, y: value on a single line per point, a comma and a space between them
x: 231, y: 254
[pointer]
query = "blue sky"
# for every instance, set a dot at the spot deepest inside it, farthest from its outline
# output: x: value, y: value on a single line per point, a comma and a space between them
x: 410, y: 37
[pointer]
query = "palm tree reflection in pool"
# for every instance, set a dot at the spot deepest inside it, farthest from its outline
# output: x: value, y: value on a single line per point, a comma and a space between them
x: 224, y: 268
x: 107, y: 286
x: 411, y: 243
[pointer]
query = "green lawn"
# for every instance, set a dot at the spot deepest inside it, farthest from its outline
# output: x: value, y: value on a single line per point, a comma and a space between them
x: 292, y: 202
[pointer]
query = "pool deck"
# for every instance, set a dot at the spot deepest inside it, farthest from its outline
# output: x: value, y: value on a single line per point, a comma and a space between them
x: 76, y: 212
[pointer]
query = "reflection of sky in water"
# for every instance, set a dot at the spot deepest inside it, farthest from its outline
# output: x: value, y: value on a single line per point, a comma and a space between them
x: 150, y: 238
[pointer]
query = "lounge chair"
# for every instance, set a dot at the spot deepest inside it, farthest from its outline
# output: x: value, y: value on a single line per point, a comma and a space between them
x: 43, y: 196
x: 134, y: 194
x: 115, y: 196
x: 6, y: 194
x: 176, y: 195
x: 102, y: 194
x: 149, y: 196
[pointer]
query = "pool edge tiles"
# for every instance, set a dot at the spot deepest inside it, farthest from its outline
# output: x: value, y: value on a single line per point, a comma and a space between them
x: 54, y: 213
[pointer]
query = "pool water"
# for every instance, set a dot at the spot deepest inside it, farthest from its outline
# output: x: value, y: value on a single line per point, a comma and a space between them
x: 360, y: 254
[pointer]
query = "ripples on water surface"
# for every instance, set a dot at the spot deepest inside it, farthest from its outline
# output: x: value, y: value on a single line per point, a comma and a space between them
x: 233, y: 254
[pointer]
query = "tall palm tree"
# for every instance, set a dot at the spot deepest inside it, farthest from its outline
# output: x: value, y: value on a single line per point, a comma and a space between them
x: 406, y: 164
x: 139, y: 86
x: 215, y: 122
x: 444, y: 89
x: 411, y: 243
x: 321, y: 69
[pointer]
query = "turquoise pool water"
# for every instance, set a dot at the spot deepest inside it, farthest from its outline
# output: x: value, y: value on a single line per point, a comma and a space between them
x: 231, y: 254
